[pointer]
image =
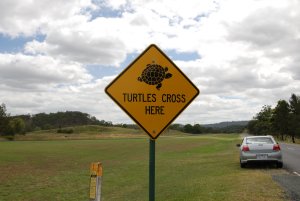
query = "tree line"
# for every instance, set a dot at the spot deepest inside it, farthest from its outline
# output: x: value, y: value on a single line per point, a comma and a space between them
x: 283, y: 120
x: 20, y: 124
x: 62, y: 121
x: 199, y: 129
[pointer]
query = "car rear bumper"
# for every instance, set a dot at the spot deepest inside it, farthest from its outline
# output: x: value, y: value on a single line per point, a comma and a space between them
x: 268, y: 157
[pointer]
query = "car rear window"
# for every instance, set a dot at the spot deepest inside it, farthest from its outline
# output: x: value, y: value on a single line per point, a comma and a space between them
x: 263, y: 140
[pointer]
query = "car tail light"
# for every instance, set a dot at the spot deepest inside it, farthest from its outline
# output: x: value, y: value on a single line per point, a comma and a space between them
x: 245, y: 148
x: 276, y: 147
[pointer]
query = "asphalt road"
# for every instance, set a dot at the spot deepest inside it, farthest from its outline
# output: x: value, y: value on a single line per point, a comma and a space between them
x: 291, y: 161
x: 291, y: 157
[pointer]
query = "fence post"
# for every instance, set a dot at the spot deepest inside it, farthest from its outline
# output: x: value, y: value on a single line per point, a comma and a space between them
x: 95, y: 181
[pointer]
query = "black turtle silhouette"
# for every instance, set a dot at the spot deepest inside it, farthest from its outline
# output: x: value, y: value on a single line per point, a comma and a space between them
x: 154, y: 74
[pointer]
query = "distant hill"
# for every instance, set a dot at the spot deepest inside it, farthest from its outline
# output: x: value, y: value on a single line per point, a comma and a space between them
x: 61, y: 122
x: 226, y: 124
x: 58, y: 120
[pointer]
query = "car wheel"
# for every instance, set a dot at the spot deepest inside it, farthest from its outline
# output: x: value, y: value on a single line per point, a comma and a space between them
x: 243, y: 165
x: 279, y: 164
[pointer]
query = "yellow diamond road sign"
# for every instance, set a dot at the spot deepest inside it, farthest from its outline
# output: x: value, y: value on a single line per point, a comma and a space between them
x: 153, y: 91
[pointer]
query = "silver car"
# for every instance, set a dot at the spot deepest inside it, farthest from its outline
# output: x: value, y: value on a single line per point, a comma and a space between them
x: 260, y: 148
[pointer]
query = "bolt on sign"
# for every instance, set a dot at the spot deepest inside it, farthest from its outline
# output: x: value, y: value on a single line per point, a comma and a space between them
x: 153, y: 91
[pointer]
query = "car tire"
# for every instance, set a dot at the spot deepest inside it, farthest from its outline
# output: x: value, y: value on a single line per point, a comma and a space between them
x: 243, y: 165
x: 279, y: 164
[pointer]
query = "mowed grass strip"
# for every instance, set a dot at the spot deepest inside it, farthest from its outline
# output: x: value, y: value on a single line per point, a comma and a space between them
x: 188, y: 168
x: 81, y: 133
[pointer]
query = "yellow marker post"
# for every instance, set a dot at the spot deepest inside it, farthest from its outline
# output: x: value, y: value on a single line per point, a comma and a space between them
x: 95, y: 181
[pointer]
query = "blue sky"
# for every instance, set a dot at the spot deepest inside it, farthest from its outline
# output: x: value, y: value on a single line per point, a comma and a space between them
x: 240, y: 54
x: 16, y: 44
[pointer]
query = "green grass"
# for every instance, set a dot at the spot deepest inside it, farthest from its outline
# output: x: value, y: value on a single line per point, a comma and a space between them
x: 188, y: 168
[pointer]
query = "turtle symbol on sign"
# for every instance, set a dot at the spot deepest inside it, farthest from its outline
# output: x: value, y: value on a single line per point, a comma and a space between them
x: 154, y: 74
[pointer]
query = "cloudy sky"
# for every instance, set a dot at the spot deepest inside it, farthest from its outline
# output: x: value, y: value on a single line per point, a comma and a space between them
x: 58, y: 55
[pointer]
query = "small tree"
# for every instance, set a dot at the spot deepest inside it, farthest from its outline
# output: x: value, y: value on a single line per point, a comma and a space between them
x: 188, y: 128
x: 261, y: 123
x: 3, y: 119
x: 197, y: 129
x: 294, y: 116
x: 281, y: 117
x: 16, y: 126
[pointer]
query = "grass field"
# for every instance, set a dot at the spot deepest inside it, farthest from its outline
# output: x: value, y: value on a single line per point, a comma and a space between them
x: 188, y: 168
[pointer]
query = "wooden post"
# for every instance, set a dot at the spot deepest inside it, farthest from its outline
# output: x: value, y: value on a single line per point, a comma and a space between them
x: 95, y: 181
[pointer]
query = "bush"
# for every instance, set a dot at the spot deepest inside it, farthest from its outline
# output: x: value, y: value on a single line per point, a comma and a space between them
x: 65, y: 130
x: 9, y: 137
x: 15, y: 126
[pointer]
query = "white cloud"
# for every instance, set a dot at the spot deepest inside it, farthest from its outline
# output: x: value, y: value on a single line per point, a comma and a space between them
x: 107, y: 41
x: 175, y: 9
x: 29, y: 17
x: 38, y: 72
x: 80, y: 47
x: 248, y: 50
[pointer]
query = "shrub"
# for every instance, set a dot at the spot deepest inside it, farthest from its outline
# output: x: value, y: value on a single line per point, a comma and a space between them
x: 65, y: 130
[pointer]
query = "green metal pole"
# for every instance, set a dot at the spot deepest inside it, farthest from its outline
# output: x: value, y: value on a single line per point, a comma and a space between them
x: 152, y: 170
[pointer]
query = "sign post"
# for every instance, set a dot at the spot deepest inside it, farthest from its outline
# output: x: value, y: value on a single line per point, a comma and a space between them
x: 153, y: 91
x: 152, y: 170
